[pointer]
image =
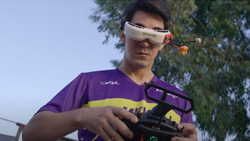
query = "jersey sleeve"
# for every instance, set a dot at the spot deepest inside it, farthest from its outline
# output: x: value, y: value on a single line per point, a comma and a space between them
x: 69, y: 98
x: 187, y: 118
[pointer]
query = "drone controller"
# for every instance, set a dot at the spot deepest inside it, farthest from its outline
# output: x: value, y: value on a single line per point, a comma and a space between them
x: 154, y: 126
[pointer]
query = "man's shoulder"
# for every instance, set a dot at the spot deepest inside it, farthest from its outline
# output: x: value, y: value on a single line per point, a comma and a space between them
x: 109, y: 71
x: 100, y: 74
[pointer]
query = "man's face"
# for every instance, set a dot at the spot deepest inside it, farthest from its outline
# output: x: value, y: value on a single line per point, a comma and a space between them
x: 141, y: 54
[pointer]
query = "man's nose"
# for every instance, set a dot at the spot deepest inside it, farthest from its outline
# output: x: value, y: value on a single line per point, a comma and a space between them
x: 145, y: 43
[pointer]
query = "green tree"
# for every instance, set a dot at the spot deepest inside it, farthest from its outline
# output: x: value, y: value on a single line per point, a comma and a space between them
x: 215, y: 73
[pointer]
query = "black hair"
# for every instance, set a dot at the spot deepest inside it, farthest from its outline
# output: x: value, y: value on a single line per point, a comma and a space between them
x: 157, y: 7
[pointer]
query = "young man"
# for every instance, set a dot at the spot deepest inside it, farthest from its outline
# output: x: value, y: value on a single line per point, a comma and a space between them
x: 94, y: 102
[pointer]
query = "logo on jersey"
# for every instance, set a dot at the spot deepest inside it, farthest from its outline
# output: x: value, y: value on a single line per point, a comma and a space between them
x: 174, y: 96
x: 109, y: 83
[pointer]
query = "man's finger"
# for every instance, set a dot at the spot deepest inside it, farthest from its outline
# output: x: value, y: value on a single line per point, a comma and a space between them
x: 122, y: 128
x: 189, y: 129
x: 105, y: 135
x: 111, y: 131
x: 119, y: 125
x: 122, y: 113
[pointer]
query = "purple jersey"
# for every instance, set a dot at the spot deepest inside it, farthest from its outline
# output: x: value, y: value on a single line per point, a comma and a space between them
x: 113, y: 88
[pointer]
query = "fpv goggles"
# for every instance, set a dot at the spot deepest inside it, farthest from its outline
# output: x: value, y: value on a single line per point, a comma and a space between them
x: 140, y: 33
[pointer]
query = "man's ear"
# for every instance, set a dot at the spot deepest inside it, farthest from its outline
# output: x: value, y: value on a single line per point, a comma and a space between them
x: 161, y: 47
x: 122, y: 36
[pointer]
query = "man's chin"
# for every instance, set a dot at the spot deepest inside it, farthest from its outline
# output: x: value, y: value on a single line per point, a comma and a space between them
x: 142, y: 64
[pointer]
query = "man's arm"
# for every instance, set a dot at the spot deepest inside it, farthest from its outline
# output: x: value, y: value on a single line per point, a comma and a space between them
x: 49, y: 126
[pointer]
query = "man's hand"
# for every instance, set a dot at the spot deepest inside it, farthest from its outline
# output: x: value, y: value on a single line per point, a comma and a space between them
x: 189, y: 132
x: 106, y: 122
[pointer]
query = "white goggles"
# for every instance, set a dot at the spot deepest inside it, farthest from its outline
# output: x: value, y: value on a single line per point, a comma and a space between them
x: 140, y: 33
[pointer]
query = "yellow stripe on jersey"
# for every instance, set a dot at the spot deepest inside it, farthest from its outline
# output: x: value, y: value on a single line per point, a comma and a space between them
x: 119, y: 102
x: 173, y: 116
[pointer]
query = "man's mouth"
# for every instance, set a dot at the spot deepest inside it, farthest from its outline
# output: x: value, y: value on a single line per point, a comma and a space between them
x: 143, y: 53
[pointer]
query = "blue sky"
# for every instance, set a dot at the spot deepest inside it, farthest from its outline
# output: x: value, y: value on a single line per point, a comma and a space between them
x: 44, y: 44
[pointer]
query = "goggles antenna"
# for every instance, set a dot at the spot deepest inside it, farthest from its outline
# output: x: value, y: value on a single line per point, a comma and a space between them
x: 120, y: 14
x: 183, y: 48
